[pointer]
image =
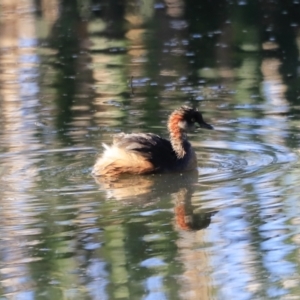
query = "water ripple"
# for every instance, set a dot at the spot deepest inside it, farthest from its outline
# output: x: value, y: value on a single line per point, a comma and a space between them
x: 229, y: 160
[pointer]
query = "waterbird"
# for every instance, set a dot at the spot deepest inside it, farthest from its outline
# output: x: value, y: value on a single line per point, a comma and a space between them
x: 146, y: 153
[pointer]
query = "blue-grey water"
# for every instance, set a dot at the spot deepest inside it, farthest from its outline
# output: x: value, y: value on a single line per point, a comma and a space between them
x: 73, y: 73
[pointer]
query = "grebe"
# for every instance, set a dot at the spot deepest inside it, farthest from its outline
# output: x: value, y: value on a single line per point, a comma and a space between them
x: 144, y: 153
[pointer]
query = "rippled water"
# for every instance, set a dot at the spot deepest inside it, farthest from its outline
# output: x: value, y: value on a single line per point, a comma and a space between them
x: 73, y: 74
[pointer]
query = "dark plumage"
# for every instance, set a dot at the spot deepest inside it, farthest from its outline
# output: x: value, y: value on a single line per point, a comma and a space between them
x: 153, y: 148
x: 140, y: 153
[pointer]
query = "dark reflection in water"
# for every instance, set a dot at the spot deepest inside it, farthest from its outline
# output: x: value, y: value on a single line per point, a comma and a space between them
x: 73, y: 73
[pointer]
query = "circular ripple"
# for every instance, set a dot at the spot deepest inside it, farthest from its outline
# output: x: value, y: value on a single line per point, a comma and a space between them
x: 221, y: 161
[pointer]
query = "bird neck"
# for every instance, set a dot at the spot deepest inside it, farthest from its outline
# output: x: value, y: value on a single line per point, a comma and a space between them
x: 177, y: 136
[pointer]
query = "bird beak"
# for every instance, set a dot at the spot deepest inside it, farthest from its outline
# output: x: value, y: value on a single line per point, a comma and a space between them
x: 205, y: 125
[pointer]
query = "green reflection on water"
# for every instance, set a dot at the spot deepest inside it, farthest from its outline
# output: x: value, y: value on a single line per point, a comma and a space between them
x: 75, y: 73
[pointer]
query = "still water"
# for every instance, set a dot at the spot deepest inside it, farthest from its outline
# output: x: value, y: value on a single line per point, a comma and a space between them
x: 73, y: 74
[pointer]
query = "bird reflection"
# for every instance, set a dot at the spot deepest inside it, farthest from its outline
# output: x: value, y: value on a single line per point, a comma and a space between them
x: 185, y: 216
x: 150, y: 188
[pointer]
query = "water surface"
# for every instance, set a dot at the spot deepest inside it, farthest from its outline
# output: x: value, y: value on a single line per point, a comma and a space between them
x: 73, y: 74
